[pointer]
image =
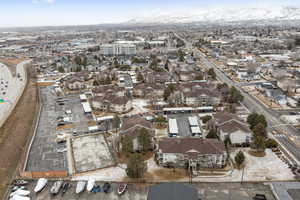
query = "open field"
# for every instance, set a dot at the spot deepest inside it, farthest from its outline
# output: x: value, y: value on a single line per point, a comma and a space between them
x: 15, y: 133
x: 12, y: 63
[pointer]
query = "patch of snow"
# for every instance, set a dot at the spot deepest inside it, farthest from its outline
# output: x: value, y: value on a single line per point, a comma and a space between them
x: 221, y: 14
x: 266, y: 168
x: 139, y: 106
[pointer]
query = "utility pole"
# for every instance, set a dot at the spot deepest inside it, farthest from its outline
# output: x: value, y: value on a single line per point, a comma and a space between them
x: 242, y: 175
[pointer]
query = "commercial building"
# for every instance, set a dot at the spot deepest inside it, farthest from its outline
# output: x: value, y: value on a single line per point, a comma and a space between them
x: 118, y: 49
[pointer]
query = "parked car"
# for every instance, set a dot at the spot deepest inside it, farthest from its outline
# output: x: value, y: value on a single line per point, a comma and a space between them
x: 259, y: 197
x: 106, y: 187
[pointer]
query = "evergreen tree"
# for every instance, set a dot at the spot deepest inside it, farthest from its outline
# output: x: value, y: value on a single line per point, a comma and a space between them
x: 61, y: 70
x: 140, y: 77
x: 136, y: 167
x: 212, y: 73
x: 206, y: 118
x: 116, y: 122
x: 235, y: 96
x: 259, y: 143
x: 212, y: 134
x: 239, y: 158
x: 95, y: 83
x: 78, y: 68
x: 260, y: 130
x: 84, y: 61
x: 127, y: 144
x: 199, y: 77
x: 78, y: 60
x: 145, y: 140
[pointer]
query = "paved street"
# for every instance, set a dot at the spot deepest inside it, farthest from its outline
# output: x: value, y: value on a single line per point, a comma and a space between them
x: 11, y: 88
x: 255, y: 106
x: 206, y: 191
x: 274, y: 122
x: 286, y: 190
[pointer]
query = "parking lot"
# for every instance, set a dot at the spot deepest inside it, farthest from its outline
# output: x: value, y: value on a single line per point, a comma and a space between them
x: 184, y: 129
x: 78, y: 119
x: 59, y: 116
x: 206, y: 191
x: 43, y: 154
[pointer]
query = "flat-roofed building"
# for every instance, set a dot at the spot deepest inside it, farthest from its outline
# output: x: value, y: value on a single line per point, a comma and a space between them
x: 118, y: 49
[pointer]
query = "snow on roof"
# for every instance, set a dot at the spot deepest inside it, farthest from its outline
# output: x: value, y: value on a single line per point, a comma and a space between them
x: 178, y: 109
x: 205, y: 108
x: 82, y: 97
x: 193, y: 121
x: 86, y: 107
x: 232, y: 64
x: 195, y: 129
x: 173, y: 126
x: 105, y: 118
x: 93, y: 128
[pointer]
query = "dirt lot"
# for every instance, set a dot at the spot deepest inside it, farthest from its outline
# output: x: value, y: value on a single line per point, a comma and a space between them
x: 11, y: 63
x: 15, y: 133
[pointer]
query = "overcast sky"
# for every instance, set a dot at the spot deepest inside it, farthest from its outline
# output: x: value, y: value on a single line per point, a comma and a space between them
x: 79, y: 12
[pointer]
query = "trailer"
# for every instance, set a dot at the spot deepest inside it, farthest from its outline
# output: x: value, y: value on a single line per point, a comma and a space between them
x: 173, y: 128
x: 86, y: 107
x: 93, y: 129
x: 193, y: 121
x: 196, y: 131
x: 83, y: 98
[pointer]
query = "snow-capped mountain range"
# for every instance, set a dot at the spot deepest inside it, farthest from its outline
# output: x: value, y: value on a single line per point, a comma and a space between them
x: 219, y: 15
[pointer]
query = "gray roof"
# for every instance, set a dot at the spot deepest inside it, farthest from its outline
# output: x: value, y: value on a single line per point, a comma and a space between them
x: 172, y: 191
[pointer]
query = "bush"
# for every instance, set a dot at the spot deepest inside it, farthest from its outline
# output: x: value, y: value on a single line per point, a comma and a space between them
x: 212, y: 134
x: 136, y: 167
x: 206, y: 118
x: 239, y: 158
x: 271, y: 143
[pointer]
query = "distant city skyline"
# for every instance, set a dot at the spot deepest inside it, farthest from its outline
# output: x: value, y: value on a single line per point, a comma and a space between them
x: 20, y: 13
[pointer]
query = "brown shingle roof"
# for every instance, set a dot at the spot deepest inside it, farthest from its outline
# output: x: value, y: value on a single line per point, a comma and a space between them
x: 135, y: 131
x: 233, y: 126
x: 135, y: 121
x: 112, y: 99
x: 222, y: 117
x: 191, y: 146
x: 107, y: 88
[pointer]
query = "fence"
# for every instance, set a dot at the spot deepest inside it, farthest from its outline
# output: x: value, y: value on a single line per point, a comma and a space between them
x: 48, y: 174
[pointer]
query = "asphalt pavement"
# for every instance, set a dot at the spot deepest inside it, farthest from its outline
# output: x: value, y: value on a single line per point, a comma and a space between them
x: 11, y: 88
x: 272, y: 117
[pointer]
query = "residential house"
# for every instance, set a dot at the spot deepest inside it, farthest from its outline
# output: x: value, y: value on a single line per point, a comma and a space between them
x: 75, y: 83
x: 276, y: 95
x: 109, y: 90
x: 112, y: 103
x: 230, y: 126
x: 132, y: 127
x: 143, y: 90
